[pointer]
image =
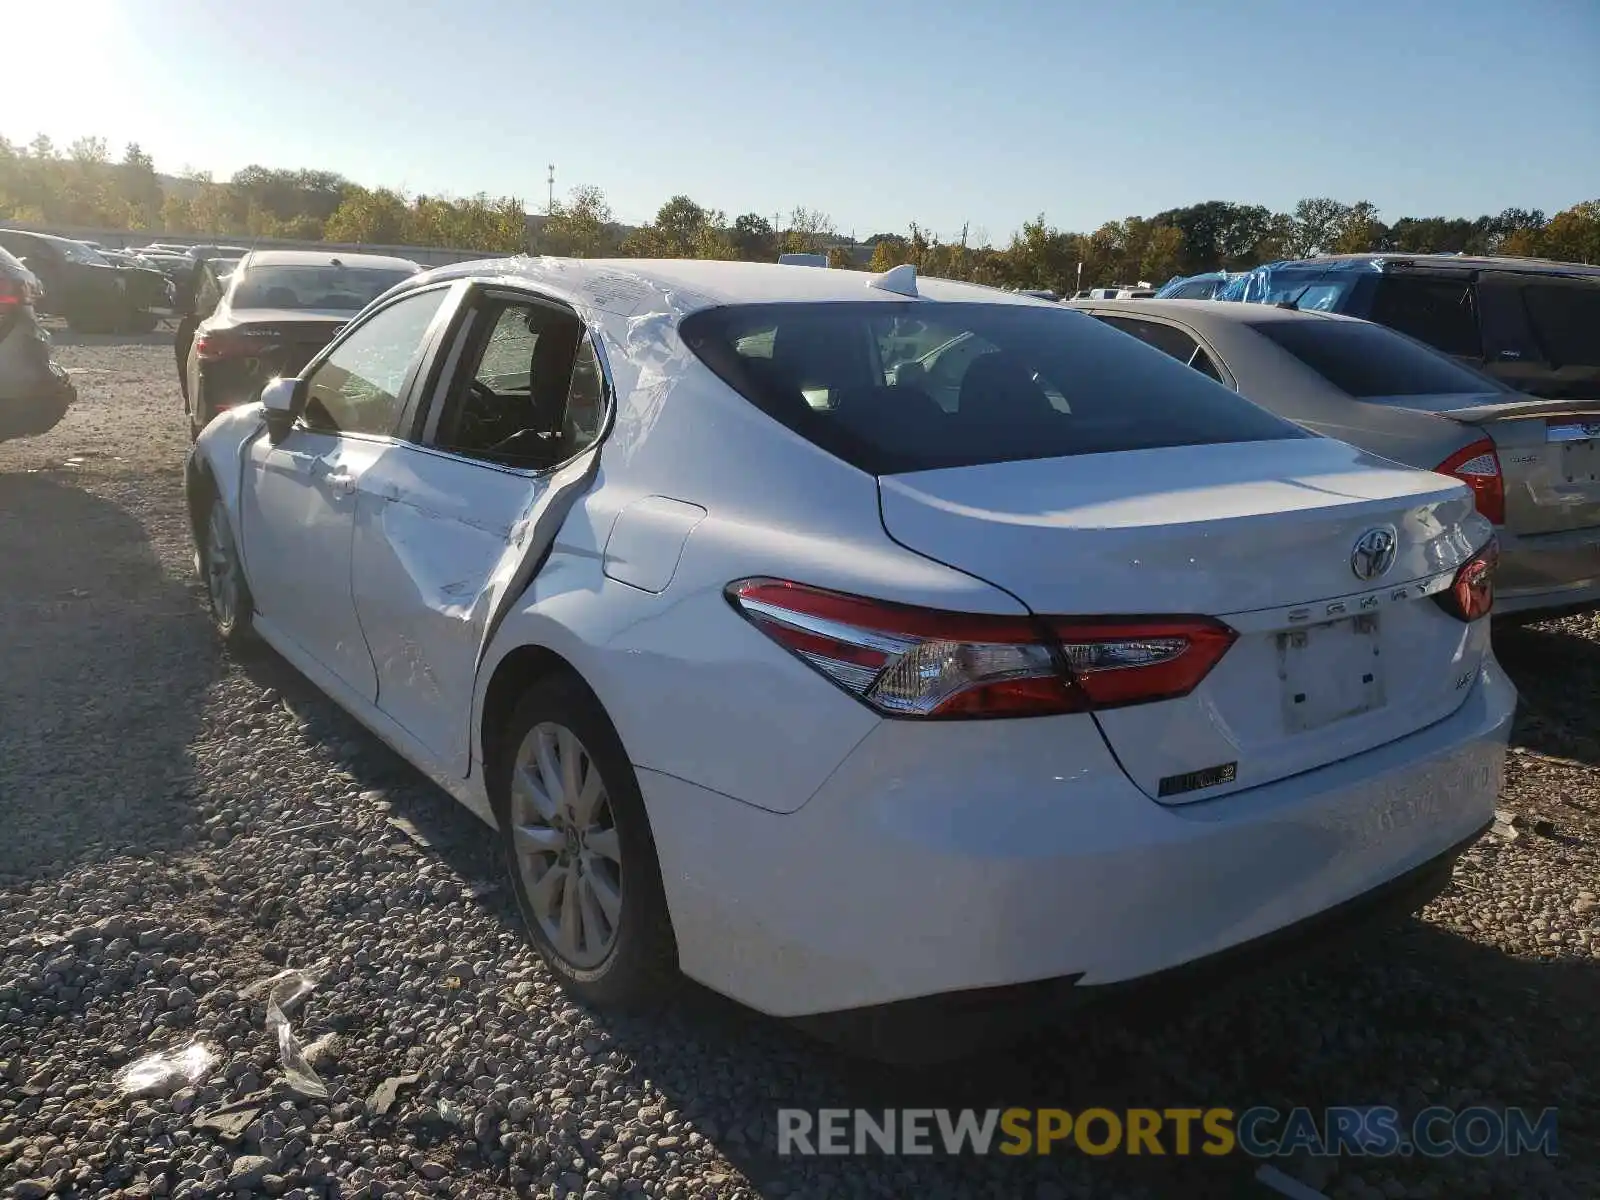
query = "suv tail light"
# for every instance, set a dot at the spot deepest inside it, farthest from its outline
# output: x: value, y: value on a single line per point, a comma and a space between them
x: 13, y: 293
x: 1471, y: 594
x: 1478, y: 466
x: 906, y: 661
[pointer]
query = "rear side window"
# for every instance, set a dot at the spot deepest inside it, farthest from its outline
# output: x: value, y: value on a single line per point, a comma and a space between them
x: 910, y: 386
x: 1368, y: 361
x: 1167, y: 338
x: 1566, y: 322
x: 1441, y: 312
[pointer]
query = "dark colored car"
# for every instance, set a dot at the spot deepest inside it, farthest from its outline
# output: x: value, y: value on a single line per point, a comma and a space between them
x: 1531, y: 323
x: 94, y: 295
x: 268, y: 314
x: 34, y: 392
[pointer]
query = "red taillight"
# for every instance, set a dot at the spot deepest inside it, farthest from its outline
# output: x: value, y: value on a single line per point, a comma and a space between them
x: 906, y: 661
x: 1471, y: 593
x: 1478, y: 466
x: 227, y: 343
x: 13, y: 293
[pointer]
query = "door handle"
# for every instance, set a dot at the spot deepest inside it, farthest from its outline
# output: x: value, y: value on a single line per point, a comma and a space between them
x: 341, y: 481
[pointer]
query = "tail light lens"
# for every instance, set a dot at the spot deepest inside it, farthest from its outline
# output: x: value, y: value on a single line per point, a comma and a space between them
x: 13, y: 293
x: 906, y: 661
x: 1478, y: 466
x: 218, y: 344
x: 1471, y: 594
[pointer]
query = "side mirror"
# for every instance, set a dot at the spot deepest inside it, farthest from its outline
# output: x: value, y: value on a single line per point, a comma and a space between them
x: 281, y: 401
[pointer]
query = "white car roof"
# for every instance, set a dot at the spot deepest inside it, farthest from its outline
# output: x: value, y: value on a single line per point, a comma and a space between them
x: 627, y: 287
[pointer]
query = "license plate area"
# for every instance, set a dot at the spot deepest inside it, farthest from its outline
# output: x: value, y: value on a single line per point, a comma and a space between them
x: 1580, y: 461
x: 1329, y: 672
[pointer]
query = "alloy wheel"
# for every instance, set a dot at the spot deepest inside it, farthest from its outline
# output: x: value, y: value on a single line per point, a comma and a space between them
x: 568, y: 852
x: 221, y: 568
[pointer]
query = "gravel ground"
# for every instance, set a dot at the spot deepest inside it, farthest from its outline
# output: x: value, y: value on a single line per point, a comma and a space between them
x: 178, y: 825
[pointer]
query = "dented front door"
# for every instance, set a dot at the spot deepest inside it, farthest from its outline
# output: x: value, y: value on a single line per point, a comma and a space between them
x: 443, y: 546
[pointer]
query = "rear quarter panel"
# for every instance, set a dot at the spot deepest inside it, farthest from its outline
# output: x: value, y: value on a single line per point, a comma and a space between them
x: 694, y: 690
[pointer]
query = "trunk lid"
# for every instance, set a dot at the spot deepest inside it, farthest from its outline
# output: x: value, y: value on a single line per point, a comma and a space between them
x: 1262, y: 535
x: 289, y: 338
x: 1549, y: 455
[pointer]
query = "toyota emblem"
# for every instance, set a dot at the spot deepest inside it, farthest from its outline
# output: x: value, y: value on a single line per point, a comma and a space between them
x: 1374, y: 553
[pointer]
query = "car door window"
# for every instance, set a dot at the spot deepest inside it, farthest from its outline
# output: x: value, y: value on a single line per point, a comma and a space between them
x: 1566, y: 322
x: 1441, y: 312
x: 356, y: 389
x: 529, y: 392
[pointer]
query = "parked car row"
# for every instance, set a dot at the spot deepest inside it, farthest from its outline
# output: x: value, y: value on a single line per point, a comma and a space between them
x: 879, y: 650
x: 1533, y: 464
x: 79, y: 283
x: 1531, y: 323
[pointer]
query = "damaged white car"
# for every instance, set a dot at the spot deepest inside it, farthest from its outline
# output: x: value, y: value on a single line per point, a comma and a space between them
x: 864, y: 647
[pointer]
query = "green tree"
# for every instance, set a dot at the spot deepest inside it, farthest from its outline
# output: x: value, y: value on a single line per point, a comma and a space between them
x: 375, y: 217
x: 1359, y: 229
x: 1573, y: 235
x: 1316, y: 226
x: 753, y: 238
x: 580, y: 226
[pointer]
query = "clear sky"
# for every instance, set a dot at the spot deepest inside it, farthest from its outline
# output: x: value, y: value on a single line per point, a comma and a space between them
x: 878, y: 112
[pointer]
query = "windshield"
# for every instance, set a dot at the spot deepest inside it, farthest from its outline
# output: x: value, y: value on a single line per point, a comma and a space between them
x: 893, y: 387
x: 345, y: 289
x: 78, y: 252
x: 1367, y: 361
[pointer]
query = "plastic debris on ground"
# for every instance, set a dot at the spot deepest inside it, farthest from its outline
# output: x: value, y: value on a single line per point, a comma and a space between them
x: 285, y: 990
x: 164, y: 1072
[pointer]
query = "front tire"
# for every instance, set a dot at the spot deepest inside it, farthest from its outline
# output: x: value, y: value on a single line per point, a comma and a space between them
x: 227, y: 593
x: 579, y: 850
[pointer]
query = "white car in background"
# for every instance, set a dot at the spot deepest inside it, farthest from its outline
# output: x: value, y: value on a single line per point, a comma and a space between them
x: 848, y: 702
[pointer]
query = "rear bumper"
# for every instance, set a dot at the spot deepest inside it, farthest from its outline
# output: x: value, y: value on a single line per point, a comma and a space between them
x: 1548, y: 572
x: 35, y: 406
x: 952, y: 1024
x: 985, y: 855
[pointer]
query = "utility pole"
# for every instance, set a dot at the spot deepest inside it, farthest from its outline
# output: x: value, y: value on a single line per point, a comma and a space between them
x: 550, y: 204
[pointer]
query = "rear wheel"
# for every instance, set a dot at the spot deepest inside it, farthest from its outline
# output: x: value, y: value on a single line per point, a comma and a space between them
x: 579, y: 850
x: 227, y: 593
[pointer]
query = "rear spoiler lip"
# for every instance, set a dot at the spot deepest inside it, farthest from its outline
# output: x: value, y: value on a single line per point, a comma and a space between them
x: 1478, y: 414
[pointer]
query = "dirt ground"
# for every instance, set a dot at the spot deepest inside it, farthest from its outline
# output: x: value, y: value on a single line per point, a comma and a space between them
x: 177, y: 824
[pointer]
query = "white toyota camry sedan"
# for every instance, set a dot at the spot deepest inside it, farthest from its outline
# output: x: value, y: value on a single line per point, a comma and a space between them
x: 863, y: 692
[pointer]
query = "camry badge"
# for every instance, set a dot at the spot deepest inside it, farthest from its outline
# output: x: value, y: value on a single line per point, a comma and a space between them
x: 1374, y: 553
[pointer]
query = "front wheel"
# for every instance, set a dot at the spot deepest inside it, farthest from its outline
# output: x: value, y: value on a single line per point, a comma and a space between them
x: 579, y: 850
x: 227, y: 593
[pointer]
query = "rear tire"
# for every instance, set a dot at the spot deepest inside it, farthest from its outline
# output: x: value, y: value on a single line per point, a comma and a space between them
x: 579, y: 850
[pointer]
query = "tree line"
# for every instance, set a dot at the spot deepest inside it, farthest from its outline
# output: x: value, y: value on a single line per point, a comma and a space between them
x: 85, y: 186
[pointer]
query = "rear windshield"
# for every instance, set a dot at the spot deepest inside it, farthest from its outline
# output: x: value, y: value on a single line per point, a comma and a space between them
x: 1367, y: 360
x: 909, y: 386
x: 339, y: 288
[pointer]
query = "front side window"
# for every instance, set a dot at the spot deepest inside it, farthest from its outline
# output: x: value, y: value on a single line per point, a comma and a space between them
x: 356, y: 389
x: 87, y: 256
x: 1441, y: 312
x: 997, y: 383
x: 529, y: 392
x: 1368, y: 361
